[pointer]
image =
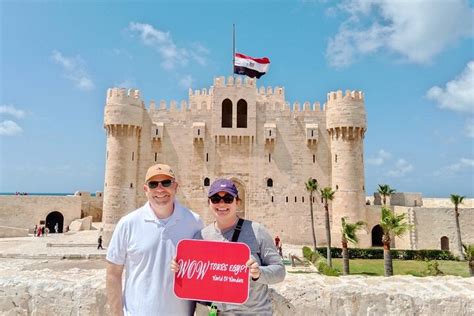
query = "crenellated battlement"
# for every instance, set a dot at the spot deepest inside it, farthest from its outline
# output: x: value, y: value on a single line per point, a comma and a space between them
x: 124, y: 96
x: 199, y: 104
x: 346, y: 111
x: 349, y: 95
x: 238, y: 82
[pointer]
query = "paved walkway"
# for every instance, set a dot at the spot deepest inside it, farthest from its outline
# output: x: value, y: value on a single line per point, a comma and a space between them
x: 82, y: 244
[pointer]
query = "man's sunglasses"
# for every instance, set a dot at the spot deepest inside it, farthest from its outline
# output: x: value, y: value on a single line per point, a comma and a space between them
x: 216, y: 198
x: 165, y: 183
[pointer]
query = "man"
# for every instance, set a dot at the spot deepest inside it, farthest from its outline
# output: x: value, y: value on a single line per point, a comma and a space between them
x: 99, y: 241
x: 144, y: 243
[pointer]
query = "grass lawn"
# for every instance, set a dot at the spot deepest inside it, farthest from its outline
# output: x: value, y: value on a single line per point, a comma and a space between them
x: 413, y: 267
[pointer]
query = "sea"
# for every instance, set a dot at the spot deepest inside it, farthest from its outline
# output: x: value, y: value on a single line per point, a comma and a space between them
x: 47, y: 194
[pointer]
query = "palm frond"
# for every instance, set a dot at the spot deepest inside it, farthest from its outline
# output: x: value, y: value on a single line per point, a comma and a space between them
x: 392, y: 224
x: 456, y: 199
x: 311, y: 185
x: 349, y: 230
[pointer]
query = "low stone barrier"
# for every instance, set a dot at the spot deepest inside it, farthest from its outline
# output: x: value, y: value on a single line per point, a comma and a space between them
x: 28, y: 289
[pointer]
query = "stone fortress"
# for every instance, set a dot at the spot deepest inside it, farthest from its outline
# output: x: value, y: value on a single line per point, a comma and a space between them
x: 253, y: 136
x: 269, y: 149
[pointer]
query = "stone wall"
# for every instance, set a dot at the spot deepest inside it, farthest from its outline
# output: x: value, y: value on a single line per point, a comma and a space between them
x: 406, y: 199
x: 26, y: 211
x: 434, y: 223
x: 91, y: 205
x: 13, y: 232
x: 37, y: 290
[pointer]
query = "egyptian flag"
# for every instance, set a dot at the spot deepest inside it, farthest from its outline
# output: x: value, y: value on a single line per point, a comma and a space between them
x: 249, y: 66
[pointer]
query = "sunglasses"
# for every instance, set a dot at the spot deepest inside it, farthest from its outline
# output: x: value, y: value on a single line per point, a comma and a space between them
x: 164, y: 183
x: 216, y: 198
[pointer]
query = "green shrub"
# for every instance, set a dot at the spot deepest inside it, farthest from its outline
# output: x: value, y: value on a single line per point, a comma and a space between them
x: 323, y: 268
x: 307, y: 253
x: 377, y: 253
x: 433, y: 269
x: 310, y: 255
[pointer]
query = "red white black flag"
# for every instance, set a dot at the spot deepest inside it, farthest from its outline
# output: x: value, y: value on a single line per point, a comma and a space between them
x: 249, y: 66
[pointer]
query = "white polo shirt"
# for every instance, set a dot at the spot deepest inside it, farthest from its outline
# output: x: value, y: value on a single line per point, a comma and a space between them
x: 146, y: 245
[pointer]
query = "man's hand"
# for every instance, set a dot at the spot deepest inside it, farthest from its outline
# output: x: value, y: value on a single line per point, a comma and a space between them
x: 114, y: 288
x: 174, y: 265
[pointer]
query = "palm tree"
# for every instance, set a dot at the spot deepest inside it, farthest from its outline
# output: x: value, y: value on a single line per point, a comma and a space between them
x: 456, y: 200
x: 469, y: 250
x: 327, y: 194
x: 349, y: 234
x: 311, y: 186
x: 385, y: 190
x: 392, y: 225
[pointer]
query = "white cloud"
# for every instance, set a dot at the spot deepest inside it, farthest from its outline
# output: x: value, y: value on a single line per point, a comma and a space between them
x: 462, y: 165
x: 9, y: 128
x: 162, y: 42
x: 416, y: 30
x: 11, y: 110
x: 380, y: 158
x: 75, y: 70
x: 458, y: 95
x: 402, y: 167
x: 186, y: 81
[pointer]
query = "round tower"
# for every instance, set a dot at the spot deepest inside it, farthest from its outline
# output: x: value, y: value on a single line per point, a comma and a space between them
x: 346, y: 125
x: 123, y: 116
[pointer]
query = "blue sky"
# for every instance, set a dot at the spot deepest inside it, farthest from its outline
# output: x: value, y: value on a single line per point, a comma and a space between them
x: 414, y: 60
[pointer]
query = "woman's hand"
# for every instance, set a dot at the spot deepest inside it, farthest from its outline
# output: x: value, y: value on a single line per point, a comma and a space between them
x: 254, y: 269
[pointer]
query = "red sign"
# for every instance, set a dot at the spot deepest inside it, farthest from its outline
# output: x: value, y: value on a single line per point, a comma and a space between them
x: 212, y: 271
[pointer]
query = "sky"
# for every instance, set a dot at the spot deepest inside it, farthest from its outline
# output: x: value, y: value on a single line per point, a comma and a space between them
x: 414, y: 61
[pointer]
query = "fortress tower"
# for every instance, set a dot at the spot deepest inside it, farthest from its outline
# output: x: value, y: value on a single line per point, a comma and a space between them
x: 346, y: 126
x: 246, y: 133
x: 123, y: 120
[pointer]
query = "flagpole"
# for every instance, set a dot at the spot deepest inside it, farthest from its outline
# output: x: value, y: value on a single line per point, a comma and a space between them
x: 233, y: 49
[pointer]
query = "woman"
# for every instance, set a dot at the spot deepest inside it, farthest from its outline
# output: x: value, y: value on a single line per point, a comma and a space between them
x: 265, y: 265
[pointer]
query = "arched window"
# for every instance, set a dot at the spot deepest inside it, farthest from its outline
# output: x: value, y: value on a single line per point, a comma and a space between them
x: 227, y: 113
x: 206, y: 182
x: 242, y: 114
x: 377, y: 233
x: 444, y: 243
x: 269, y: 182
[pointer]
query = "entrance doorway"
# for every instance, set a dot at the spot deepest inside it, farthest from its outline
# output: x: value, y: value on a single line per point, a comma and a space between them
x: 54, y: 218
x: 377, y: 233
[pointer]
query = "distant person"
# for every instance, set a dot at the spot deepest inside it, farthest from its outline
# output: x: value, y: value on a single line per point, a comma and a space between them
x: 35, y: 230
x: 144, y: 243
x: 99, y: 242
x: 56, y: 228
x: 265, y: 265
x: 46, y: 231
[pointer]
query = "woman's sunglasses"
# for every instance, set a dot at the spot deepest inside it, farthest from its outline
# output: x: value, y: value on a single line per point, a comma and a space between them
x: 216, y: 198
x: 165, y: 183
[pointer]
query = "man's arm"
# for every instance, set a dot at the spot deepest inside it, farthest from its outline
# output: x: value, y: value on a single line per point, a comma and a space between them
x: 114, y: 288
